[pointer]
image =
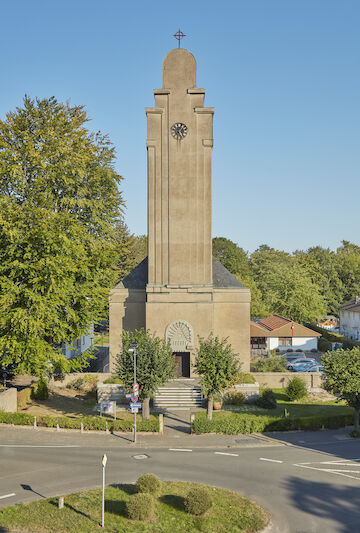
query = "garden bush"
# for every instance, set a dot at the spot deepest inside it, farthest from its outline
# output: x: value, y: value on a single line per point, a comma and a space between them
x: 148, y: 483
x: 324, y: 345
x: 24, y: 397
x: 234, y: 398
x: 140, y: 507
x: 296, y: 389
x: 40, y: 390
x: 89, y: 422
x: 198, y: 501
x: 229, y: 423
x: 85, y: 383
x: 271, y: 364
x: 267, y: 400
x: 116, y: 380
x: 355, y: 434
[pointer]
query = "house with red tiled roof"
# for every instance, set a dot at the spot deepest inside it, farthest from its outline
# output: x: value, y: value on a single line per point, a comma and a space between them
x: 279, y: 332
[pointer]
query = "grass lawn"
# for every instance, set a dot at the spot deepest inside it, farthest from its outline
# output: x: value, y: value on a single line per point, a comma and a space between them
x: 70, y: 403
x: 101, y: 340
x: 229, y: 513
x: 307, y: 407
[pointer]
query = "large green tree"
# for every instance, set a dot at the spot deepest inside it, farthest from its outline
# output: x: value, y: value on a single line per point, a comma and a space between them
x: 286, y: 286
x: 155, y: 364
x: 217, y: 364
x: 59, y: 203
x: 342, y: 375
x: 236, y: 260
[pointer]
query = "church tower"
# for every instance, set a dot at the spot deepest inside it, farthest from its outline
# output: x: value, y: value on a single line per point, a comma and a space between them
x: 180, y: 291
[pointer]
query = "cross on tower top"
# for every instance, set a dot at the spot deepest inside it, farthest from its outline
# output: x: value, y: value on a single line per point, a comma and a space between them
x: 179, y: 35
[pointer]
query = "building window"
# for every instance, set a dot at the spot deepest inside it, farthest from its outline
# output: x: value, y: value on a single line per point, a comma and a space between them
x: 285, y: 341
x: 258, y: 342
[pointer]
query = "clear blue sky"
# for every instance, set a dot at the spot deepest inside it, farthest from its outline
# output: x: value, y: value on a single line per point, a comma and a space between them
x: 283, y: 76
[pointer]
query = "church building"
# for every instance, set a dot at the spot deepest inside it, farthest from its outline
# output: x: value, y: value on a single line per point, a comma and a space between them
x: 180, y: 292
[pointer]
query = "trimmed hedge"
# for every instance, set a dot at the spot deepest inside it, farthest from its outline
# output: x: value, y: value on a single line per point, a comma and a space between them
x: 237, y: 423
x: 89, y: 422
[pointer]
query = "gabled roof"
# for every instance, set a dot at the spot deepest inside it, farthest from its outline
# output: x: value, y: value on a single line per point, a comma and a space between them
x: 352, y: 305
x: 273, y: 322
x: 279, y: 326
x: 138, y: 277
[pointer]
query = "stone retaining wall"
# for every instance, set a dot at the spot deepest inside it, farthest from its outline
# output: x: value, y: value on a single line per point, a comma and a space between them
x: 111, y: 392
x: 68, y: 378
x: 249, y: 390
x: 279, y: 380
x: 8, y: 400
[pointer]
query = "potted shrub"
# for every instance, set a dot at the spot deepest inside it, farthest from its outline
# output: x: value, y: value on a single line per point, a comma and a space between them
x: 218, y: 401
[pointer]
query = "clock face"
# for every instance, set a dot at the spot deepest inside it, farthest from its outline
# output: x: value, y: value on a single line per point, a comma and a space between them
x: 179, y: 131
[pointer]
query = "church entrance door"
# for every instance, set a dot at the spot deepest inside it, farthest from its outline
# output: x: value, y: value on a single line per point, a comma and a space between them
x: 182, y: 364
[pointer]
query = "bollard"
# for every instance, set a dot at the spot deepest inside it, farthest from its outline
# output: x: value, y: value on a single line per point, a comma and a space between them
x: 82, y: 427
x: 61, y: 502
x: 57, y: 427
x: 106, y: 428
x: 161, y: 424
x: 192, y: 420
x: 34, y: 422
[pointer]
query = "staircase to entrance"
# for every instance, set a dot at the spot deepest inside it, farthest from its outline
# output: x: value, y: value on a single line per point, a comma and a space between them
x: 178, y: 394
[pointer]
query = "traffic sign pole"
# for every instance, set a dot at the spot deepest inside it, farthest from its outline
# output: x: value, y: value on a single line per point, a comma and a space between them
x: 134, y: 346
x: 103, y: 462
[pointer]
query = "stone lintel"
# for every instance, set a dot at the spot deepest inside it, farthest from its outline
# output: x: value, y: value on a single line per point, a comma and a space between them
x: 196, y: 90
x: 204, y: 110
x: 161, y: 91
x: 154, y: 110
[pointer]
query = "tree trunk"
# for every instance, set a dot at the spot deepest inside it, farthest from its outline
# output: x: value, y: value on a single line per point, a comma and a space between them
x: 356, y: 417
x: 210, y: 407
x: 146, y: 408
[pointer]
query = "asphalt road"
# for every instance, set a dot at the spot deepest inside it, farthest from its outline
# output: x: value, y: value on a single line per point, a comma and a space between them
x: 310, y: 485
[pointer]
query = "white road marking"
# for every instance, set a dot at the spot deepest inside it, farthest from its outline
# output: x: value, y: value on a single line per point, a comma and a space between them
x: 7, y: 495
x: 179, y: 450
x: 270, y: 460
x: 38, y: 446
x: 336, y: 471
x: 224, y: 453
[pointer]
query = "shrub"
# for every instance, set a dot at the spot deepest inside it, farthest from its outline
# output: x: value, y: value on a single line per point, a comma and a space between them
x: 24, y: 397
x: 324, y: 345
x: 267, y: 400
x: 113, y: 380
x: 298, y: 350
x: 198, y: 501
x: 89, y: 422
x: 242, y: 377
x: 148, y: 483
x: 296, y: 389
x: 271, y: 364
x: 289, y: 350
x: 313, y: 350
x: 355, y: 434
x: 40, y: 390
x: 235, y: 423
x: 85, y: 383
x: 234, y: 398
x: 140, y: 507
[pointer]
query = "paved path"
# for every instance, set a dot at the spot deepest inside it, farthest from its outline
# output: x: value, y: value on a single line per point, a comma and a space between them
x: 310, y: 481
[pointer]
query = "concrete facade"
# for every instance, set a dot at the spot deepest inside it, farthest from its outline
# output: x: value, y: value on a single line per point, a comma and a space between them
x: 180, y: 291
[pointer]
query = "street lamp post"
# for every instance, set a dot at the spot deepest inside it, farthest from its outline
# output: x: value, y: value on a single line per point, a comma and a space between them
x: 133, y: 349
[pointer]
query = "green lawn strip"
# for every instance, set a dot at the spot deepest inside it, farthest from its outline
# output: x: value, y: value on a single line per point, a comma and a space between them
x: 230, y: 512
x: 89, y: 422
x: 299, y: 415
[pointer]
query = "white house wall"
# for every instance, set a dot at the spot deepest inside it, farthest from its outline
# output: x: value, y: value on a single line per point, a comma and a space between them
x: 298, y: 343
x: 350, y: 324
